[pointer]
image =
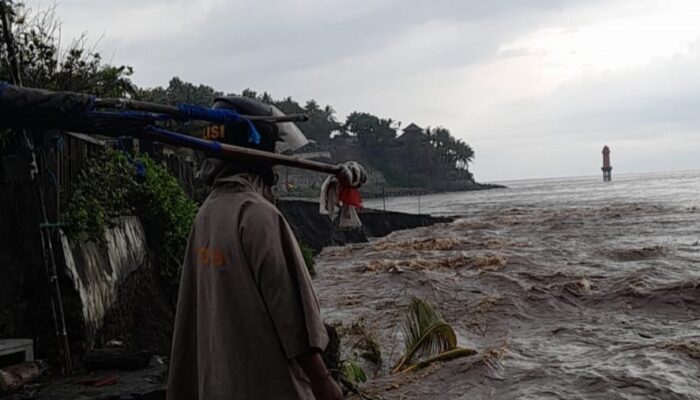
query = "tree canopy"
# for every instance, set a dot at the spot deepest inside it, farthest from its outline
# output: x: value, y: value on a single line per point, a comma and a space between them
x: 44, y: 64
x: 435, y: 155
x: 179, y: 91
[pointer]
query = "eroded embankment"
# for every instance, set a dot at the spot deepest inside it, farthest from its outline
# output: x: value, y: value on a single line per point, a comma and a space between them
x: 561, y: 303
x: 318, y: 231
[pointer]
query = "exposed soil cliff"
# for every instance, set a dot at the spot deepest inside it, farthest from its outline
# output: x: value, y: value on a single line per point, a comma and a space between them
x: 318, y: 231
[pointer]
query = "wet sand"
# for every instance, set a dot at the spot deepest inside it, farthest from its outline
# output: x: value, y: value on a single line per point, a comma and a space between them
x: 562, y: 301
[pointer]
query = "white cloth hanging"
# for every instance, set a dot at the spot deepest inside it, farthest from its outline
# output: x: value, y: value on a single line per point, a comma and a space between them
x: 339, y: 198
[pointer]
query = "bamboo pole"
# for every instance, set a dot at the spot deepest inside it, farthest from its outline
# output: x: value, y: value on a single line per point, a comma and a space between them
x: 234, y: 152
x: 230, y: 152
x: 174, y: 111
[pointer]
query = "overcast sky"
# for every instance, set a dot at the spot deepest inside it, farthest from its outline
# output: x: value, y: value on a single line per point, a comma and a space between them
x: 537, y: 87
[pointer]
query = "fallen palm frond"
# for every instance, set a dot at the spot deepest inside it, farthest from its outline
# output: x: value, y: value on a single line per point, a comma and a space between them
x: 351, y: 375
x: 371, y: 350
x: 352, y: 372
x: 445, y: 356
x: 427, y: 334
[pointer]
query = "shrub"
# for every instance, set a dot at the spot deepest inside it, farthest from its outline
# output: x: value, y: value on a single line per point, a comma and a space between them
x: 308, y: 254
x: 115, y: 185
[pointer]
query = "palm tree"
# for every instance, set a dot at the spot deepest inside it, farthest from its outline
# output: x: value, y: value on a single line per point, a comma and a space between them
x: 266, y: 98
x: 442, y: 136
x: 312, y: 106
x: 250, y: 93
x: 329, y: 111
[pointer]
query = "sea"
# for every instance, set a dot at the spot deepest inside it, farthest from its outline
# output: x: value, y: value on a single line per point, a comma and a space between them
x: 567, y: 288
x: 671, y: 188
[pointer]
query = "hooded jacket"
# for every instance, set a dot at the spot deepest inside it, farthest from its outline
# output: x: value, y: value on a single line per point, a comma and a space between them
x: 246, y: 307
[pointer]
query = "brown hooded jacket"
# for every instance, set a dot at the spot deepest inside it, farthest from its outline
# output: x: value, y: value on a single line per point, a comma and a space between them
x: 246, y: 307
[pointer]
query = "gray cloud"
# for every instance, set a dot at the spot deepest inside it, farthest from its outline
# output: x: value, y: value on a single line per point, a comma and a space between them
x: 437, y: 62
x: 648, y: 115
x: 236, y: 39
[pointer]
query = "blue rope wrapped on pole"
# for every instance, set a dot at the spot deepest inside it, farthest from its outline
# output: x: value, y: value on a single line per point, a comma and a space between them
x: 223, y: 116
x: 186, y: 112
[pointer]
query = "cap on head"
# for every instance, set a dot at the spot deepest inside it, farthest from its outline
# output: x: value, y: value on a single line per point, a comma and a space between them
x: 274, y: 137
x: 237, y: 133
x: 281, y: 136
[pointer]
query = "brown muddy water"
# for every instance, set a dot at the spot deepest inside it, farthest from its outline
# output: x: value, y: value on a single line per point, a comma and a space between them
x: 568, y: 289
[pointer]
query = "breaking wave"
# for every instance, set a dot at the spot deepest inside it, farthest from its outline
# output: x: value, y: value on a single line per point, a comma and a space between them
x: 565, y: 294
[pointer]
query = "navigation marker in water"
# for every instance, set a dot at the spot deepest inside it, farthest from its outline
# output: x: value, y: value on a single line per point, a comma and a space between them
x: 607, y: 169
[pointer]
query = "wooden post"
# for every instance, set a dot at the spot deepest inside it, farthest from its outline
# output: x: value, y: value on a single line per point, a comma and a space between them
x: 383, y: 197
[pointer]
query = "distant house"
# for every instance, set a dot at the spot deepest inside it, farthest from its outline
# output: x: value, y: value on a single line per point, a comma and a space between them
x: 412, y: 134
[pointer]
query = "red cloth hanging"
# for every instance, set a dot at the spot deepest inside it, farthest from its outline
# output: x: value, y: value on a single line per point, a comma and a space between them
x: 350, y: 196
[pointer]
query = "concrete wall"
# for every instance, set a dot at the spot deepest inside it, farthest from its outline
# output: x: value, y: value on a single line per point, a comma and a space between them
x: 98, y: 269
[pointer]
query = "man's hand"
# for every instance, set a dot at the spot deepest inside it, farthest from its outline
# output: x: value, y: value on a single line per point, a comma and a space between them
x: 323, y: 386
x: 326, y: 389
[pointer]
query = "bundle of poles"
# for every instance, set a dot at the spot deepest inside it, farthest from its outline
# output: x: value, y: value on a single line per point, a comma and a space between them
x: 223, y: 151
x: 35, y: 108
